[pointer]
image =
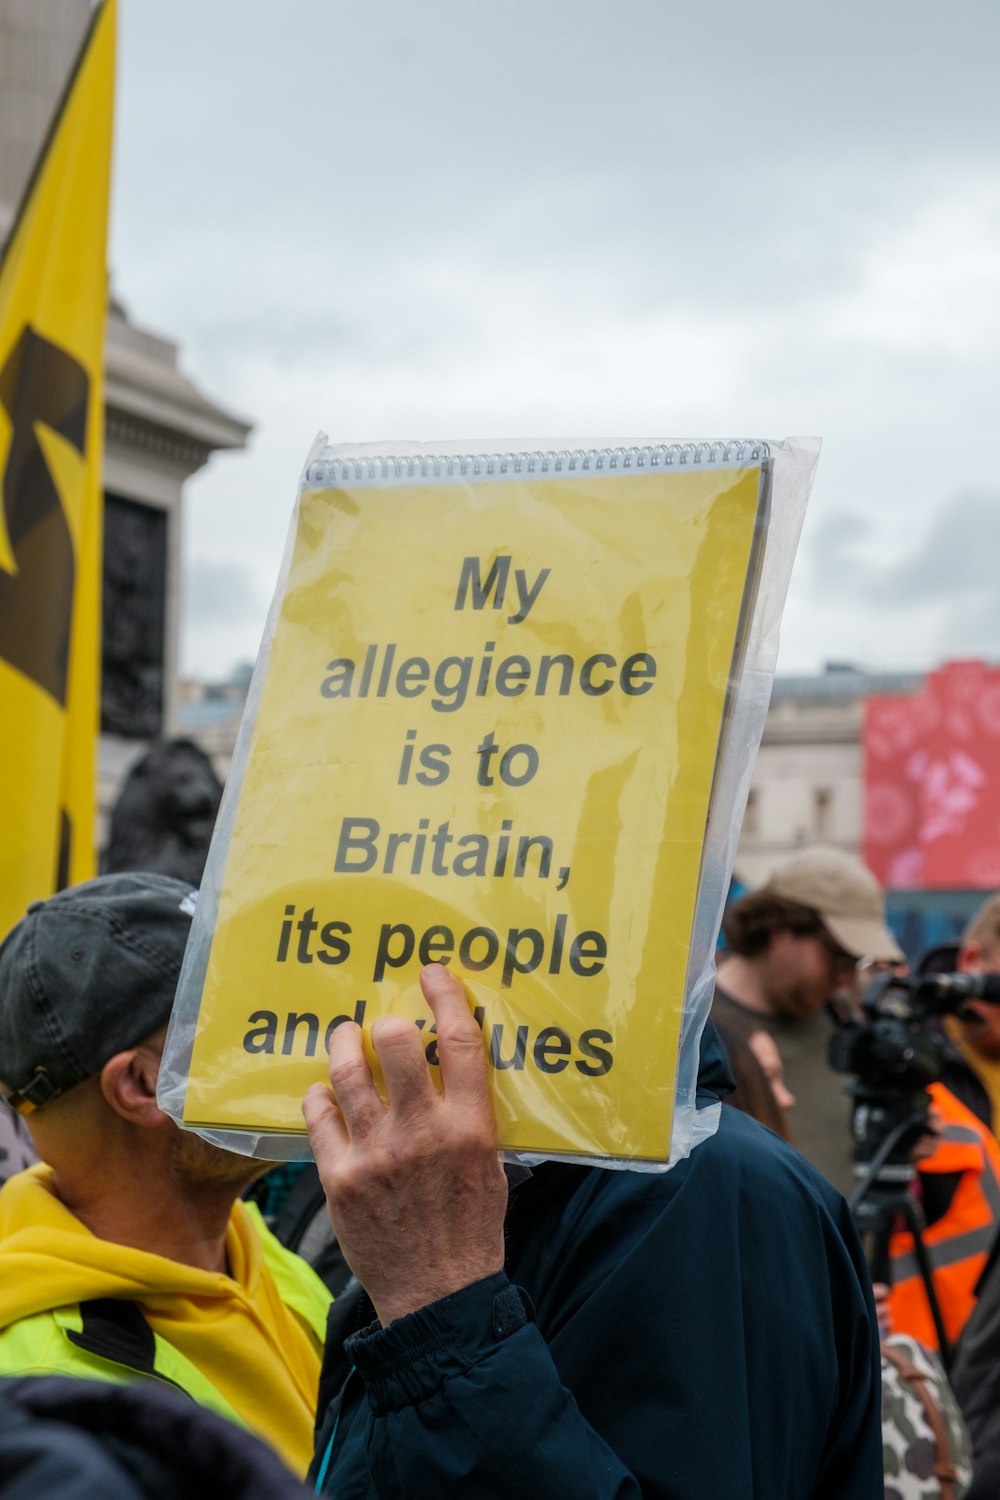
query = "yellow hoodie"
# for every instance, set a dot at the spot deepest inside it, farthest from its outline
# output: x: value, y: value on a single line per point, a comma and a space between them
x: 246, y: 1344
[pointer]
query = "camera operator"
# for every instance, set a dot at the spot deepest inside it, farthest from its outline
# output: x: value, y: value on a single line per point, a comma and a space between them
x: 959, y: 1189
x: 972, y: 1072
x: 790, y: 947
x: 959, y: 1180
x: 973, y: 1075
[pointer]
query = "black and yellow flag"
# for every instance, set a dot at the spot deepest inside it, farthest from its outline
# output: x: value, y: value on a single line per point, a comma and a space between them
x: 53, y: 303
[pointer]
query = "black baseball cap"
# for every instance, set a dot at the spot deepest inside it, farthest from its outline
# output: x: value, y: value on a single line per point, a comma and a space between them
x: 85, y: 974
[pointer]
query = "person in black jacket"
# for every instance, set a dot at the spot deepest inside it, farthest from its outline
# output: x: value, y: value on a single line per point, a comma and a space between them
x: 705, y: 1332
x: 67, y: 1439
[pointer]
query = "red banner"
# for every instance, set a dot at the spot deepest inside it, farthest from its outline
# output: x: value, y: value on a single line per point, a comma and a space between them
x: 932, y: 782
x: 894, y: 732
x: 960, y: 795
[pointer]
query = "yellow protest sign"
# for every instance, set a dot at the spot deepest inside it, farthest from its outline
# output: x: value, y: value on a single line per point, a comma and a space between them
x: 53, y: 299
x: 486, y: 736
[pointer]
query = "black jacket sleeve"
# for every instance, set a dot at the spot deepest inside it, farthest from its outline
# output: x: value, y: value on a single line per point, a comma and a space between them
x: 703, y: 1335
x: 975, y: 1379
x: 467, y: 1402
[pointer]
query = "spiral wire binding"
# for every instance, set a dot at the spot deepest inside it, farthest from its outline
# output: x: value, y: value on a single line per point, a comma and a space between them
x: 381, y: 469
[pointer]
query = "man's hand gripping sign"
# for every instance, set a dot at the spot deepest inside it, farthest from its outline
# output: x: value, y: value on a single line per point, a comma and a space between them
x: 416, y: 1190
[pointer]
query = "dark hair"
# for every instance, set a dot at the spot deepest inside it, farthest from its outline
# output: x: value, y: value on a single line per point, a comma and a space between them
x: 752, y: 921
x: 753, y: 1094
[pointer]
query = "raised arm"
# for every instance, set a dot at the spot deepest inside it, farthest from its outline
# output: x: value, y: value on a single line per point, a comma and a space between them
x: 465, y: 1395
x: 416, y: 1189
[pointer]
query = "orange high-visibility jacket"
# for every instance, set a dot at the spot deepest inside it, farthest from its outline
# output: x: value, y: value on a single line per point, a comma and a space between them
x: 959, y: 1242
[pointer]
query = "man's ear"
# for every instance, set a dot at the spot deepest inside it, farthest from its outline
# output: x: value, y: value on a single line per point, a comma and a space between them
x: 128, y: 1083
x: 970, y: 958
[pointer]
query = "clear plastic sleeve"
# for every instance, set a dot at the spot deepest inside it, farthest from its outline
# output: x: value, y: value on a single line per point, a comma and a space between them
x: 504, y: 716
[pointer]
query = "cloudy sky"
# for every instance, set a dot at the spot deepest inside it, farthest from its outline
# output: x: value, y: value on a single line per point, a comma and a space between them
x: 477, y: 218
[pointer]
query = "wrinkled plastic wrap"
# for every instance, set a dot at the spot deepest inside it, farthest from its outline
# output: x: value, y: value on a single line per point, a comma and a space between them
x: 504, y: 717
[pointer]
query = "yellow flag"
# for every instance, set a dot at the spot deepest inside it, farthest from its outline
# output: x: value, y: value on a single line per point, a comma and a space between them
x: 53, y: 303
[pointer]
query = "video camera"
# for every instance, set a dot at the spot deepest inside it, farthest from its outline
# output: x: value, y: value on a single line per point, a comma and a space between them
x: 894, y: 1046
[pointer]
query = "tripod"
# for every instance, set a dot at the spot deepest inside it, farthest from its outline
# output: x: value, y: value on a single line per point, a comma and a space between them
x: 883, y: 1197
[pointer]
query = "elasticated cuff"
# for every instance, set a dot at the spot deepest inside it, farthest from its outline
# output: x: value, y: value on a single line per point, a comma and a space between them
x: 408, y: 1361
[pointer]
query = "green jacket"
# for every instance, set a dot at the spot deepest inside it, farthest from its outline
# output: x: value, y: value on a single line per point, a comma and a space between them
x: 109, y: 1339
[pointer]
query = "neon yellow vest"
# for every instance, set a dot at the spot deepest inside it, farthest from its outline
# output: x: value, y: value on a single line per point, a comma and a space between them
x: 46, y: 1343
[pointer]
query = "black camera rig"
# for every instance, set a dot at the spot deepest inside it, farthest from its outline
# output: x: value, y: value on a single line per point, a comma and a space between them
x: 894, y: 1046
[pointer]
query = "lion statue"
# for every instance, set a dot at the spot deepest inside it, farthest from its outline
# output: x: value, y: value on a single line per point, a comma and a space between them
x: 165, y: 813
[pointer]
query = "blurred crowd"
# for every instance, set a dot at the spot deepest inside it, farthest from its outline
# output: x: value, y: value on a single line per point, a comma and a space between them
x: 408, y: 1318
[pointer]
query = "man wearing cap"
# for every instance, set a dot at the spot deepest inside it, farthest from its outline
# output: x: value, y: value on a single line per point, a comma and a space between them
x: 126, y: 1252
x: 789, y: 948
x: 972, y: 1073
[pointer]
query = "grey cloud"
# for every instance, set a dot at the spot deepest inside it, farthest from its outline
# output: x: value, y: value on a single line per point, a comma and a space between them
x: 523, y: 87
x: 836, y: 553
x: 221, y: 593
x: 318, y: 203
x: 953, y: 563
x: 743, y: 156
x: 957, y: 559
x: 325, y: 334
x: 971, y: 626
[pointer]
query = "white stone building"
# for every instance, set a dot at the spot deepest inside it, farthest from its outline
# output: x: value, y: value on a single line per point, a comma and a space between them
x: 808, y: 783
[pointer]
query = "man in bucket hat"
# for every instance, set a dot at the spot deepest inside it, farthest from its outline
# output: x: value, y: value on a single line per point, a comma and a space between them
x: 126, y: 1252
x: 790, y: 947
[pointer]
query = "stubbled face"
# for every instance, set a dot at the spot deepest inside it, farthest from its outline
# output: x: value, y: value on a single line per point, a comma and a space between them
x: 198, y: 1165
x: 982, y: 1034
x: 801, y: 974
